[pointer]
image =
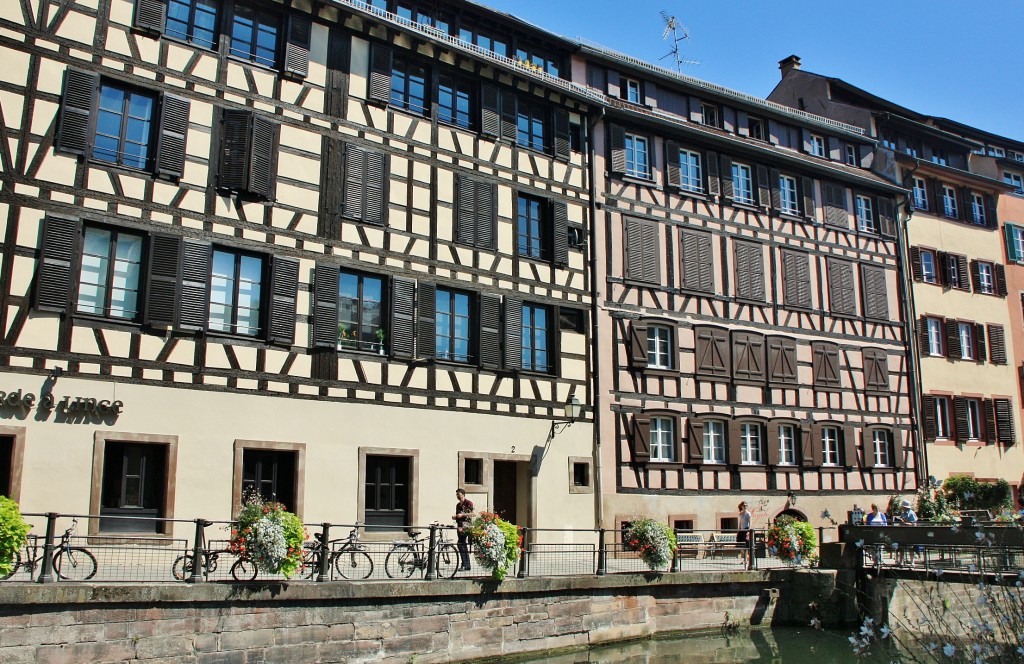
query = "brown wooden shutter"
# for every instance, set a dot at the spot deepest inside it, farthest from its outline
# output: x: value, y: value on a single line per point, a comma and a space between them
x: 490, y: 332
x: 509, y: 120
x: 261, y: 157
x: 764, y: 186
x: 953, y: 350
x: 813, y: 447
x: 979, y: 343
x: 945, y: 276
x: 638, y: 345
x: 695, y: 440
x: 748, y: 357
x: 841, y: 293
x: 931, y: 427
x: 196, y: 259
x: 76, y: 111
x: 782, y: 362
x: 999, y: 276
x: 426, y: 313
x: 915, y: 264
x: 284, y: 288
x: 962, y: 278
x: 1004, y: 421
x: 750, y: 276
x: 163, y: 279
x: 296, y: 47
x: 633, y: 250
x: 825, y: 365
x: 355, y: 175
x: 728, y: 187
x: 835, y: 205
x: 773, y: 183
x: 849, y: 447
x: 486, y: 214
x: 886, y: 217
x: 960, y: 409
x: 150, y: 16
x: 325, y: 306
x: 672, y: 172
x: 513, y: 333
x: 712, y: 352
x: 876, y: 300
x: 772, y: 442
x: 976, y: 276
x: 233, y: 173
x: 560, y: 231
x: 714, y: 183
x: 465, y: 214
x: 618, y: 149
x: 490, y: 110
x: 58, y: 253
x: 376, y: 178
x: 989, y: 415
x: 403, y: 307
x: 991, y: 219
x: 923, y: 340
x: 732, y: 442
x: 170, y: 151
x: 897, y: 449
x: 641, y: 439
x: 807, y: 192
x: 796, y: 277
x: 380, y: 73
x: 997, y: 344
x: 561, y: 134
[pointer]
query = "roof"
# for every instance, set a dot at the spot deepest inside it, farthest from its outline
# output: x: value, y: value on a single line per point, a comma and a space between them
x: 931, y: 130
x: 967, y: 130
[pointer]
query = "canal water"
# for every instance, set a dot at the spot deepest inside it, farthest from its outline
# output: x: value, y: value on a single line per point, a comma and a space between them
x: 791, y: 645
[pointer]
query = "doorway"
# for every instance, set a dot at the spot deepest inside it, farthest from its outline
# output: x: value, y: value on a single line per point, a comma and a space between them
x: 6, y: 465
x: 512, y: 491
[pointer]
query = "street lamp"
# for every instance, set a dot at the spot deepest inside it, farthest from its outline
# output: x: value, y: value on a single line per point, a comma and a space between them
x: 572, y: 412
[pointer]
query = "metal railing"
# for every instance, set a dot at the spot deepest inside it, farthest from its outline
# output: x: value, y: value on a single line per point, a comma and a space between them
x: 968, y: 546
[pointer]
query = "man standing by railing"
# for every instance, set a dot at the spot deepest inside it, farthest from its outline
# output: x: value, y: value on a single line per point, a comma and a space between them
x: 463, y: 515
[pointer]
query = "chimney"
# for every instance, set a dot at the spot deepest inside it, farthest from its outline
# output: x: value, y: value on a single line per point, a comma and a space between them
x: 789, y: 64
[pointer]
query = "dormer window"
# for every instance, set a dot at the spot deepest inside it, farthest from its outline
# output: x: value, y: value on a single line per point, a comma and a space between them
x: 939, y: 156
x: 710, y: 114
x: 631, y: 90
x: 817, y: 146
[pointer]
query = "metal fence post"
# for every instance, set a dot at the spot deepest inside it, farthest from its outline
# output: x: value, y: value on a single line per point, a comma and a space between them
x: 524, y: 557
x: 602, y: 562
x: 46, y: 570
x: 198, y: 574
x: 325, y: 553
x: 431, y: 553
x: 751, y: 561
x: 674, y: 565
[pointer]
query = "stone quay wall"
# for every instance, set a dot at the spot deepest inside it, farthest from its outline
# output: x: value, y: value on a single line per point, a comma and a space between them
x: 417, y: 621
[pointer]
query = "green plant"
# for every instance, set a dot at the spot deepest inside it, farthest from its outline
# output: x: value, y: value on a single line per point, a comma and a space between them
x: 496, y: 543
x: 269, y: 535
x: 967, y: 493
x: 653, y: 540
x: 343, y: 333
x: 13, y: 533
x: 380, y: 334
x: 933, y: 506
x: 792, y: 541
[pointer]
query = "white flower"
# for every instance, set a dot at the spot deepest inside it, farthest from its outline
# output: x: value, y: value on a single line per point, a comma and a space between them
x: 895, y: 545
x: 938, y: 571
x: 866, y: 630
x: 860, y: 544
x: 885, y: 632
x: 948, y: 650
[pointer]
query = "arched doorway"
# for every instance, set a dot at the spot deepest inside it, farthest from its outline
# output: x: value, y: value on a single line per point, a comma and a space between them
x: 796, y: 514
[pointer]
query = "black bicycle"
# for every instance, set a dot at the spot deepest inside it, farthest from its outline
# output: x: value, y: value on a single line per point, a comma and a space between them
x: 242, y: 569
x: 407, y: 556
x: 70, y: 563
x: 350, y: 560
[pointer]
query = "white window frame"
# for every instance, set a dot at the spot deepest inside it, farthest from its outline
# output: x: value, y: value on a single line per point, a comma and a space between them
x: 920, y: 194
x: 750, y: 444
x: 742, y: 184
x: 787, y: 195
x: 1015, y: 180
x: 1018, y: 240
x: 978, y: 209
x: 973, y: 419
x: 949, y: 202
x: 659, y: 347
x: 865, y: 214
x: 881, y: 444
x: 986, y: 278
x: 787, y: 445
x: 691, y: 177
x: 631, y: 90
x: 851, y: 155
x: 939, y: 157
x: 942, y: 418
x: 637, y: 146
x: 929, y: 271
x: 966, y: 332
x: 934, y: 337
x: 1017, y: 156
x: 704, y: 114
x: 714, y: 441
x: 997, y: 152
x: 830, y: 446
x: 817, y: 145
x: 663, y: 441
x: 953, y: 270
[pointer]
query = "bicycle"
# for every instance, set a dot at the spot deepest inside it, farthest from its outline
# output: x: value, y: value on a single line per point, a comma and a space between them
x: 70, y: 563
x: 242, y: 569
x: 407, y: 556
x: 350, y: 561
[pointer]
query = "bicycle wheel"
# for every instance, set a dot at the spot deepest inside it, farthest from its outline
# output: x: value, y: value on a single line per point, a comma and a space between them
x: 310, y: 565
x: 244, y: 570
x: 74, y: 564
x: 15, y: 564
x: 448, y: 561
x: 354, y: 564
x: 400, y: 563
x: 181, y: 569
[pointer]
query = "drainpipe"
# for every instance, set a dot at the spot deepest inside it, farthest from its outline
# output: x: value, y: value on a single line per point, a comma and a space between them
x: 593, y: 120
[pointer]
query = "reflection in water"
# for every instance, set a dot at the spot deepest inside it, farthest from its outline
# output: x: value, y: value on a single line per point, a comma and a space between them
x: 771, y: 646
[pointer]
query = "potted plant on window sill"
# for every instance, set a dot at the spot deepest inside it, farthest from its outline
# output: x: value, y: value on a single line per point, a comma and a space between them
x: 380, y: 334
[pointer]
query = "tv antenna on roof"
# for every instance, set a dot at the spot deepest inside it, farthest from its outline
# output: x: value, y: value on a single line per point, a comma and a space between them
x: 676, y: 32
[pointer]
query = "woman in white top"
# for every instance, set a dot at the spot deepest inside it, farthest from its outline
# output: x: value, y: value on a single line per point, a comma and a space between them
x: 743, y: 536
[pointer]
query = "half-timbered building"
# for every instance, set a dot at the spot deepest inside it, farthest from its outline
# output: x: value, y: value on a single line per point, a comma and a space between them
x: 752, y: 344
x: 331, y: 251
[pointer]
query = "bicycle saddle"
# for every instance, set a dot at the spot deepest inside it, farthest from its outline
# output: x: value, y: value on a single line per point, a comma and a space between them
x: 412, y: 533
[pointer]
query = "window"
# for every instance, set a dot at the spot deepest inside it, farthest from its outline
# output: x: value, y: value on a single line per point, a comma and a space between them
x: 663, y: 440
x: 1015, y: 244
x: 928, y: 271
x: 531, y: 126
x: 750, y: 443
x: 942, y: 429
x: 193, y: 21
x: 254, y: 35
x: 954, y: 277
x: 452, y: 326
x: 580, y: 474
x: 881, y: 441
x: 973, y: 419
x: 484, y: 41
x: 536, y: 335
x: 364, y: 196
x: 986, y: 280
x: 889, y: 140
x: 851, y: 155
x: 966, y: 332
x: 476, y: 214
x: 949, y: 202
x: 912, y: 148
x: 361, y: 312
x: 1016, y: 156
x: 537, y: 60
x: 135, y: 485
x: 270, y: 474
x: 830, y: 446
x: 787, y: 445
x: 473, y: 471
x: 1016, y: 180
x: 865, y: 215
x: 817, y: 146
x: 690, y: 177
x: 109, y: 277
x: 409, y: 86
x: 714, y: 441
x: 939, y: 156
x: 659, y: 347
x: 787, y: 195
x: 710, y: 114
x: 124, y: 127
x: 742, y: 184
x: 757, y: 129
x: 631, y: 90
x: 934, y: 337
x: 978, y: 209
x: 235, y: 285
x: 996, y: 152
x: 386, y: 492
x: 920, y: 194
x: 637, y: 157
x: 248, y: 153
x: 456, y: 102
x: 532, y: 229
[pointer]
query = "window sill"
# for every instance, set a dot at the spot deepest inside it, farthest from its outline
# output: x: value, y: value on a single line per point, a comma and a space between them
x: 717, y: 378
x: 787, y: 468
x: 636, y: 179
x: 743, y: 205
x: 109, y: 322
x: 882, y: 469
x: 693, y: 193
x: 185, y: 42
x: 792, y: 216
x: 236, y: 339
x: 242, y: 61
x: 664, y: 465
x: 752, y: 467
x: 659, y: 371
x: 120, y: 168
x: 833, y: 469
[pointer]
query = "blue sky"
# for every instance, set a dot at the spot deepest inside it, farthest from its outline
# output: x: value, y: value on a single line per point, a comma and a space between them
x: 953, y: 58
